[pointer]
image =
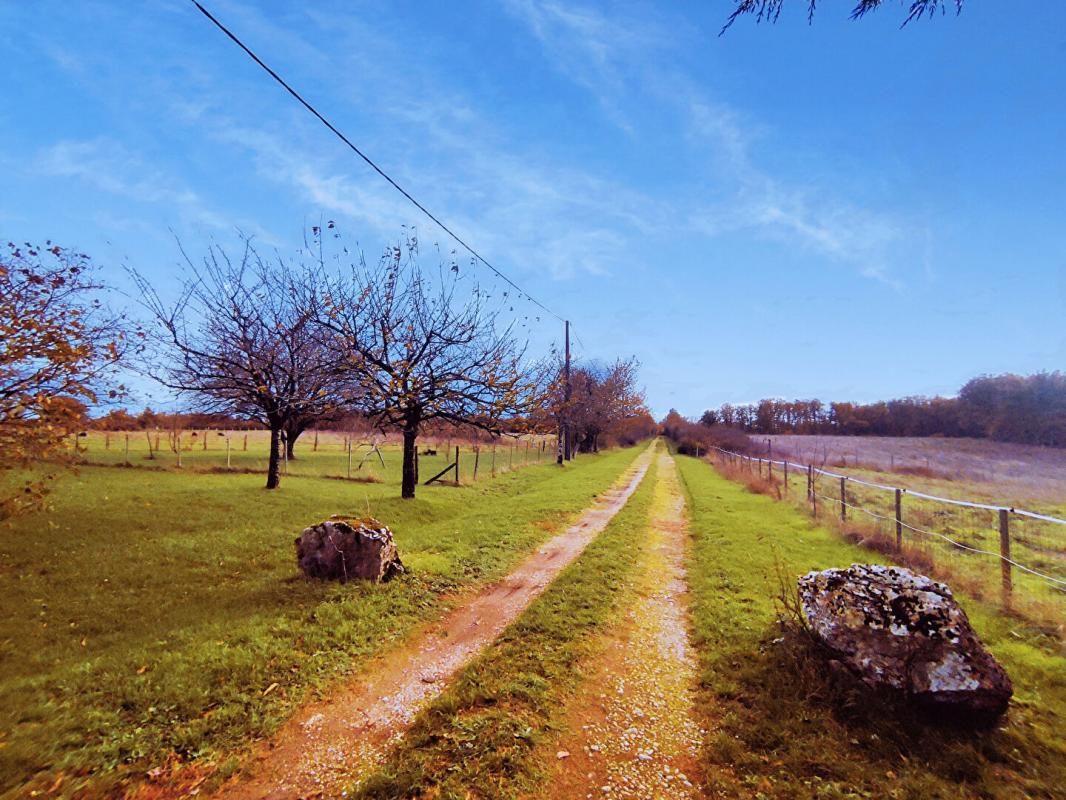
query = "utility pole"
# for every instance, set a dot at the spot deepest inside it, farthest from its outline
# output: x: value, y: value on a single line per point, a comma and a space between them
x: 569, y: 391
x: 563, y: 449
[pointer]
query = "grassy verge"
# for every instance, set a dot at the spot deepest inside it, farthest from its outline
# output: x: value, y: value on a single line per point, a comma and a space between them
x: 1036, y: 544
x: 151, y: 618
x: 477, y: 740
x: 780, y: 727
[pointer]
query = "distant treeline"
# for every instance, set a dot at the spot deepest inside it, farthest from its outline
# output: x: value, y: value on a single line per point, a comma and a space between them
x: 694, y: 439
x: 122, y: 420
x: 1010, y: 408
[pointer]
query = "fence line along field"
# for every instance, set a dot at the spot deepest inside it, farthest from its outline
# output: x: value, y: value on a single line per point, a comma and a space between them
x: 1023, y: 472
x: 961, y: 530
x: 368, y: 457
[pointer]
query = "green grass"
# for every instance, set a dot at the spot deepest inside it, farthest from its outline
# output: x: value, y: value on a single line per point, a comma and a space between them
x: 147, y: 613
x: 477, y: 739
x: 781, y: 728
x: 249, y: 452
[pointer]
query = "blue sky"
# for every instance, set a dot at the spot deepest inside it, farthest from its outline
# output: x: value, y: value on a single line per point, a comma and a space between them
x: 844, y: 210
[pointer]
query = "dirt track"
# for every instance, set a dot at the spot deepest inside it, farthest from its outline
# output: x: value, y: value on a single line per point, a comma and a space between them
x: 332, y: 744
x: 632, y: 732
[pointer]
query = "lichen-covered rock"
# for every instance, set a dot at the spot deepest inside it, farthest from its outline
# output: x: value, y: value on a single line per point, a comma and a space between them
x: 894, y: 628
x: 343, y: 549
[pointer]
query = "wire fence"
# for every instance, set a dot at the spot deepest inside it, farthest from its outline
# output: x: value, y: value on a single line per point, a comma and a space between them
x: 980, y: 545
x: 324, y: 454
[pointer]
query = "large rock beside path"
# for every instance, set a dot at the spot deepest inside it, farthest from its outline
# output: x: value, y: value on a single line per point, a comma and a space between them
x: 343, y: 548
x: 894, y: 628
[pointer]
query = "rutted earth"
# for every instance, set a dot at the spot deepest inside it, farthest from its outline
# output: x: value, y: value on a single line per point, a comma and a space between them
x: 335, y: 743
x: 633, y: 733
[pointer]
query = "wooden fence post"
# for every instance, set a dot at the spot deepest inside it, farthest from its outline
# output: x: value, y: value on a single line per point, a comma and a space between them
x: 314, y: 447
x: 477, y: 458
x: 494, y: 459
x: 899, y: 520
x: 457, y: 465
x: 786, y: 476
x: 1004, y: 551
x: 246, y: 442
x: 810, y: 482
x: 127, y: 453
x: 843, y: 500
x: 227, y: 453
x: 349, y: 459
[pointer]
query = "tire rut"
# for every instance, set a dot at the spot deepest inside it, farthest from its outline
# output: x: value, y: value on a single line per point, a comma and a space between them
x: 632, y: 732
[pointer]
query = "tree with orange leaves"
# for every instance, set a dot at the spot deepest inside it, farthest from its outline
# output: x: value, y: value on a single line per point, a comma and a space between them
x: 58, y: 348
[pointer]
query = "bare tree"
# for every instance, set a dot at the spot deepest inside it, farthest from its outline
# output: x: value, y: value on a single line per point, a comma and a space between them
x: 242, y: 339
x: 421, y: 349
x: 770, y: 10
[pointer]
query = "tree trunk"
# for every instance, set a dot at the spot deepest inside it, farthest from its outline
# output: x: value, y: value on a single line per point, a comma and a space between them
x: 292, y: 433
x: 410, y: 466
x: 273, y: 468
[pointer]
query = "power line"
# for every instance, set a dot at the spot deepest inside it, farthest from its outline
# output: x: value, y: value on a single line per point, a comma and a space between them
x: 367, y: 159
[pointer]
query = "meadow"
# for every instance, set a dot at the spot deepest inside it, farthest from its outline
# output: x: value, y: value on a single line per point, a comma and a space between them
x: 1019, y: 473
x: 154, y: 616
x: 154, y: 624
x: 777, y: 723
x: 961, y: 544
x: 318, y: 453
x: 782, y: 726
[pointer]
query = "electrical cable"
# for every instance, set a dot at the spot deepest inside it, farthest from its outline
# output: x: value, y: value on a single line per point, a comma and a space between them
x: 281, y: 81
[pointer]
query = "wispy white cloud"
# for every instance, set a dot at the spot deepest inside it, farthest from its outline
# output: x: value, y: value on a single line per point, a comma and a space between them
x: 536, y: 215
x: 108, y: 166
x: 595, y: 50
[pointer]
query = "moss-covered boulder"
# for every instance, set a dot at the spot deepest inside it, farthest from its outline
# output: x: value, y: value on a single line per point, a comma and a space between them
x: 346, y: 548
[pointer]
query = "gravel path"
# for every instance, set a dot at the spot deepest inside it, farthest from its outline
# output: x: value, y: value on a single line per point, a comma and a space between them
x: 633, y: 732
x: 332, y: 744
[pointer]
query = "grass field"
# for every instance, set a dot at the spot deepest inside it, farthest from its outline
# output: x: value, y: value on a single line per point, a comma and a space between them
x: 969, y: 555
x: 153, y: 617
x: 778, y: 725
x: 1015, y: 474
x: 782, y: 728
x: 318, y: 454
